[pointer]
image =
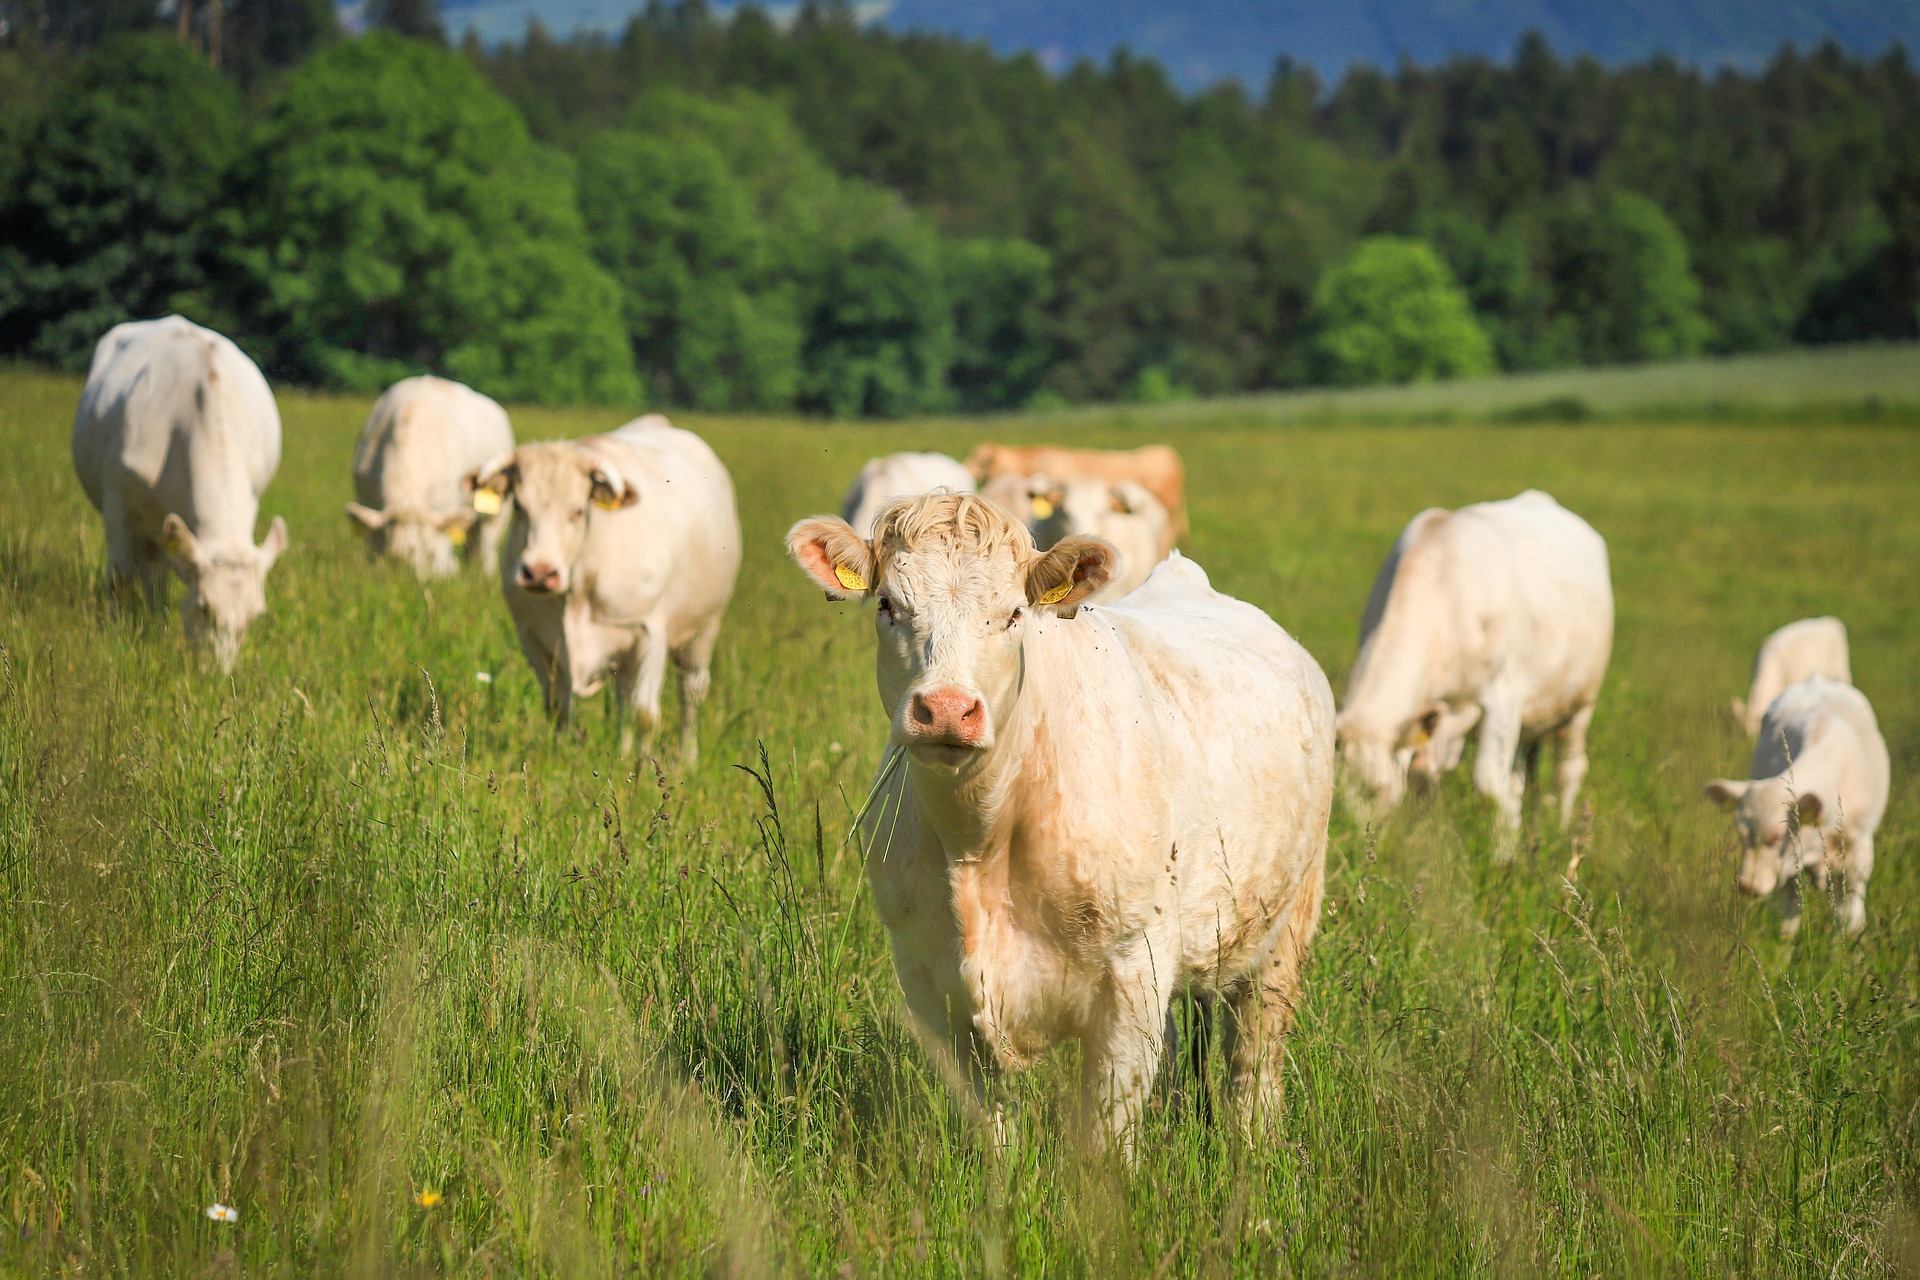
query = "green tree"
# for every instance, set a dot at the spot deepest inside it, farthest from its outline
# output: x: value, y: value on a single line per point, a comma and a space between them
x: 398, y: 218
x: 999, y: 291
x: 109, y: 208
x: 1393, y: 313
x: 1621, y: 278
x: 880, y: 332
x: 711, y: 321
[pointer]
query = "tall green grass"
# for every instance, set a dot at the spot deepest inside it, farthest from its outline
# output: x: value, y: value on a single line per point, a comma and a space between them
x: 352, y: 928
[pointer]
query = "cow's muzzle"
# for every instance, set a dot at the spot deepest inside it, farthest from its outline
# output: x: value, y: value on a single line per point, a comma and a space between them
x: 947, y: 717
x: 538, y: 578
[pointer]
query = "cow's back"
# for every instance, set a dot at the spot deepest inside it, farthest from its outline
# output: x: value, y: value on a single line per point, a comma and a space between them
x: 1197, y: 716
x: 421, y: 437
x: 180, y: 420
x: 678, y: 547
x: 1825, y: 735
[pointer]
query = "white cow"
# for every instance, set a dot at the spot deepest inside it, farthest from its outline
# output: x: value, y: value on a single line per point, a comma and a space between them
x: 176, y: 438
x: 1081, y: 818
x: 1809, y: 647
x: 1499, y: 614
x: 1817, y: 792
x: 900, y: 475
x: 622, y: 552
x: 424, y: 437
x: 1123, y: 512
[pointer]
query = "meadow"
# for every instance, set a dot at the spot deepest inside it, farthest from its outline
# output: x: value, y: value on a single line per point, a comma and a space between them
x: 354, y: 942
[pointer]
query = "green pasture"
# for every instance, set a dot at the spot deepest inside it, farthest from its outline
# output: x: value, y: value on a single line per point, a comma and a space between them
x: 355, y: 929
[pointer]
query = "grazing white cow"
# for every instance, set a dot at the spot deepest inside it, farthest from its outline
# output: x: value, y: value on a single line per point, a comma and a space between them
x: 1499, y: 615
x: 1084, y: 816
x: 1809, y: 647
x: 1817, y: 792
x: 424, y: 437
x: 622, y: 552
x: 176, y: 438
x: 899, y: 475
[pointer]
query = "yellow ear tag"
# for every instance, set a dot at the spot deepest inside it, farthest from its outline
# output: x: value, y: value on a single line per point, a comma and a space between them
x: 457, y: 535
x: 486, y: 502
x: 849, y: 579
x: 1058, y: 594
x: 1041, y: 510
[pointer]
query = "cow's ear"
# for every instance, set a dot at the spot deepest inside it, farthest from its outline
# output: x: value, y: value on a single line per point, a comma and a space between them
x: 980, y: 462
x: 833, y: 555
x: 274, y: 545
x: 1419, y: 731
x: 181, y: 547
x: 366, y: 517
x: 610, y: 489
x: 1726, y: 792
x: 1077, y: 567
x: 1810, y: 809
x: 489, y: 485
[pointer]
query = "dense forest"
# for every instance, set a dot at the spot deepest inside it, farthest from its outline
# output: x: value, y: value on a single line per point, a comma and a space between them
x: 733, y: 213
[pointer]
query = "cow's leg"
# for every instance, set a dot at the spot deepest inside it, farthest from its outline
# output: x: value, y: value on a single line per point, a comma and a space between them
x: 550, y: 669
x: 1260, y: 1014
x: 126, y: 565
x: 945, y: 1026
x: 641, y: 694
x: 1859, y: 864
x: 1570, y: 759
x: 1493, y: 770
x: 695, y: 660
x: 1121, y: 1051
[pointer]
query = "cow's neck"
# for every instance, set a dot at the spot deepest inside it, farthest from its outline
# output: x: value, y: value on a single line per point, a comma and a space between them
x: 970, y: 812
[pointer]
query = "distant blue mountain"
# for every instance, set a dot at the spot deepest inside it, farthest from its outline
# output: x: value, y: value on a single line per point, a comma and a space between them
x: 1200, y: 41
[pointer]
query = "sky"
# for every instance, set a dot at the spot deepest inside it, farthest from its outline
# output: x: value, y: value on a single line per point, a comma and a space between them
x: 1201, y: 41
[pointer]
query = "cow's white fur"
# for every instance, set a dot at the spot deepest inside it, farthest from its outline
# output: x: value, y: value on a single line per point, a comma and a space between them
x: 1815, y: 796
x: 1497, y: 616
x: 423, y: 438
x: 899, y: 475
x: 1146, y: 813
x: 1809, y: 647
x: 645, y: 577
x: 176, y: 437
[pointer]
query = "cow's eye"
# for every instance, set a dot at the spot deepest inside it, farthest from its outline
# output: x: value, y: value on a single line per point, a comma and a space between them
x: 580, y: 515
x: 1013, y: 619
x: 885, y: 608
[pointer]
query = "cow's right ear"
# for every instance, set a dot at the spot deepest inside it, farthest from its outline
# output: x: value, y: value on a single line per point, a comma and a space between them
x: 1419, y: 731
x: 981, y: 461
x: 1726, y: 792
x: 833, y: 555
x: 366, y: 517
x: 488, y: 486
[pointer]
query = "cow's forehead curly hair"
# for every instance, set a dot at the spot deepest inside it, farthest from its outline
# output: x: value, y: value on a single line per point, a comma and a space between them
x: 949, y: 522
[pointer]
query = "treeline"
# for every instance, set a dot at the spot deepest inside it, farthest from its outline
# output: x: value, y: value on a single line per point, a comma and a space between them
x: 733, y: 214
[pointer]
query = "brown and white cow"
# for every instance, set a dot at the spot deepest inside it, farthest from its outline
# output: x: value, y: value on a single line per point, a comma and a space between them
x: 1816, y: 791
x: 1498, y: 615
x: 1155, y: 466
x: 622, y: 553
x: 424, y: 437
x: 1081, y: 817
x: 175, y: 439
x: 1809, y: 647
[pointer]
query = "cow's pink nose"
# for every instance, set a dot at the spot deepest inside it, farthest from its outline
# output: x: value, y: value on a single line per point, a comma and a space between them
x: 949, y: 715
x: 539, y: 577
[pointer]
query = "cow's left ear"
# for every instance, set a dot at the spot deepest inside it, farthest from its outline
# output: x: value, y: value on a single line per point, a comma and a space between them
x: 610, y: 489
x: 274, y: 545
x: 181, y: 547
x: 828, y: 550
x: 1077, y: 567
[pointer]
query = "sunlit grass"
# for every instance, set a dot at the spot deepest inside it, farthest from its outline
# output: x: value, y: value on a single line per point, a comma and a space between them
x: 354, y: 929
